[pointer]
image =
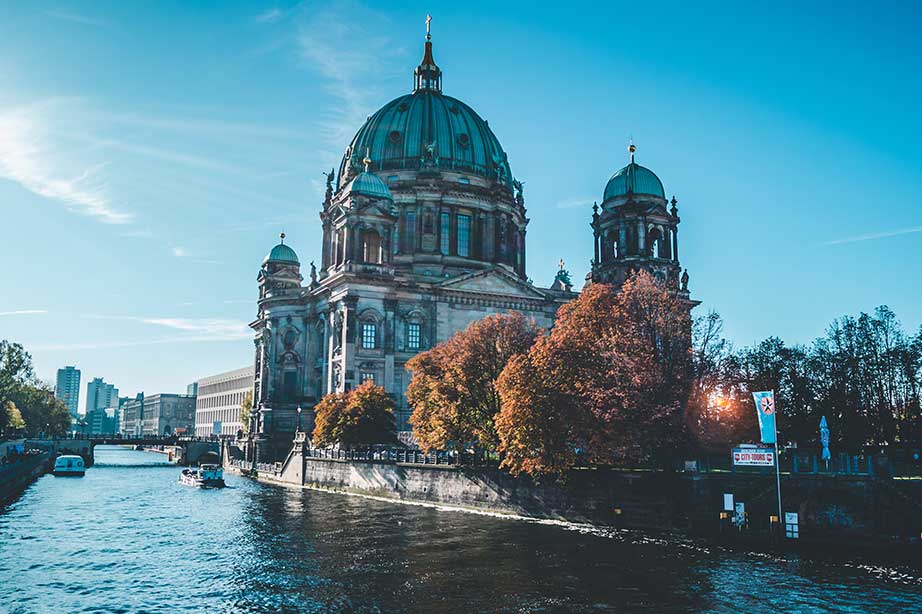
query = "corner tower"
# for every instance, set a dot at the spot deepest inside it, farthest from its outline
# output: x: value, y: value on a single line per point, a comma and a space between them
x: 636, y: 228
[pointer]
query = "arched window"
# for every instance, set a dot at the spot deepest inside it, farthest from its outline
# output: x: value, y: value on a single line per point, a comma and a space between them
x: 369, y: 332
x: 654, y: 242
x: 371, y: 247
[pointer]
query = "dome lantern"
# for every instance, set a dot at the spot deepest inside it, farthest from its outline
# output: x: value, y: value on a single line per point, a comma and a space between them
x: 427, y: 75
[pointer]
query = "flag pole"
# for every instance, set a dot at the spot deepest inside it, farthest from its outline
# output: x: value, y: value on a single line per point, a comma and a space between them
x: 777, y: 464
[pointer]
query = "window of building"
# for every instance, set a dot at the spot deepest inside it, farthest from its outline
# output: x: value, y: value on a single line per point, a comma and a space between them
x: 464, y: 235
x: 413, y: 335
x: 369, y: 335
x: 367, y: 376
x: 371, y: 247
x: 411, y: 231
x: 444, y: 226
x: 396, y: 242
x: 463, y: 180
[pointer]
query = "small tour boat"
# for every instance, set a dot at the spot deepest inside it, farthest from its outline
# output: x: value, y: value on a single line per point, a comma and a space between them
x: 206, y: 476
x: 69, y: 464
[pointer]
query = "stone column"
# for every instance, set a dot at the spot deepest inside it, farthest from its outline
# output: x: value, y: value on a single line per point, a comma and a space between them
x: 622, y: 240
x: 595, y: 244
x: 349, y: 332
x: 641, y: 238
x: 675, y: 244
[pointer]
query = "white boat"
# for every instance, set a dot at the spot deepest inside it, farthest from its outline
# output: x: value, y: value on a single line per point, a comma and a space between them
x: 69, y: 464
x: 206, y: 476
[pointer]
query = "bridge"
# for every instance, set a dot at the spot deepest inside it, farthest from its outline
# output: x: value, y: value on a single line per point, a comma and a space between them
x: 189, y: 450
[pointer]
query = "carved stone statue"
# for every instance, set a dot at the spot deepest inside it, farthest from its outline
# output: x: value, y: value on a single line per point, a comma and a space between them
x: 518, y: 186
x: 685, y: 280
x: 329, y: 194
x: 313, y: 273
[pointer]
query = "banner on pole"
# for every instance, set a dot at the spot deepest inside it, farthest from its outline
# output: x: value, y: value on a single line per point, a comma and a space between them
x: 765, y: 409
x: 824, y: 438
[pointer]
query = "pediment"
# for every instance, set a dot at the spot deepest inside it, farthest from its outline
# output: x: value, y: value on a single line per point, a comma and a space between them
x: 493, y: 281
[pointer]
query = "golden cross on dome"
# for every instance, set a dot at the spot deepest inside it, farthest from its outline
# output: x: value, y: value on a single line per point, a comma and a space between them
x: 428, y: 21
x: 282, y: 236
x: 560, y: 264
x: 632, y: 149
x: 367, y: 160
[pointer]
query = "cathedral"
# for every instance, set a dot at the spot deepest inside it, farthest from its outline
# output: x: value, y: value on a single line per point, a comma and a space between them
x: 424, y: 230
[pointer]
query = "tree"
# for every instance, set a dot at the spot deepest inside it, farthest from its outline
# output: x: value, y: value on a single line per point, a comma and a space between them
x: 246, y: 408
x: 41, y: 411
x: 609, y: 382
x: 453, y: 386
x: 361, y: 417
x: 717, y: 416
x: 15, y: 370
x: 10, y: 418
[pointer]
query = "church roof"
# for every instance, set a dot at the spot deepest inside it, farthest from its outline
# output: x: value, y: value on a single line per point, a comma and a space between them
x: 369, y: 184
x: 427, y: 129
x: 282, y: 254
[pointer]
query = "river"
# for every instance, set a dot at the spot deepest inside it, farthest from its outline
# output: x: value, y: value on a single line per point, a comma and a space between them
x: 128, y: 538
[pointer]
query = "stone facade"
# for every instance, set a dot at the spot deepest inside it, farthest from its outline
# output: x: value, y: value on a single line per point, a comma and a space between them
x: 423, y: 232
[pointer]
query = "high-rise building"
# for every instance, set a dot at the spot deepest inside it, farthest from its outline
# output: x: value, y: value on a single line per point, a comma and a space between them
x: 67, y: 388
x: 100, y: 395
x: 217, y: 406
x: 192, y: 389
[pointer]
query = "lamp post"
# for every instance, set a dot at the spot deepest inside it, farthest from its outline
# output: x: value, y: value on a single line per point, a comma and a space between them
x: 299, y: 418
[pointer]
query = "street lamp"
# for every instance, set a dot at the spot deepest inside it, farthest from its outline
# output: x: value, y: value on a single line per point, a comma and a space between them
x: 299, y: 418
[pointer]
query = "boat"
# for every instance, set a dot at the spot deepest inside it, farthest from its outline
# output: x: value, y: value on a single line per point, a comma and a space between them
x: 69, y: 464
x: 206, y: 476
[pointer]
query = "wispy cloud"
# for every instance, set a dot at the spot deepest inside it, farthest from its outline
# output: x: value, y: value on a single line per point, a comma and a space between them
x: 77, y: 18
x: 574, y: 203
x: 210, y: 329
x: 179, y: 252
x: 107, y: 345
x: 335, y: 43
x: 31, y: 157
x: 870, y: 236
x: 24, y: 312
x: 270, y: 16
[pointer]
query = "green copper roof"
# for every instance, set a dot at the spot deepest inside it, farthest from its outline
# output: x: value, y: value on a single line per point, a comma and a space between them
x: 369, y: 184
x: 281, y: 253
x: 428, y: 130
x: 634, y: 179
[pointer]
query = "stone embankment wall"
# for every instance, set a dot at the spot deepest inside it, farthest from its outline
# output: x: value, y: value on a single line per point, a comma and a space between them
x: 830, y: 507
x: 15, y: 477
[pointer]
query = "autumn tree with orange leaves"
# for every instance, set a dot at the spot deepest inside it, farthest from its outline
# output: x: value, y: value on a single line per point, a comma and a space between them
x: 610, y: 382
x: 361, y: 417
x: 453, y: 387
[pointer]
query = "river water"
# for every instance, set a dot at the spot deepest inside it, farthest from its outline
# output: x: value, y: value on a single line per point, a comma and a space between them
x: 129, y: 538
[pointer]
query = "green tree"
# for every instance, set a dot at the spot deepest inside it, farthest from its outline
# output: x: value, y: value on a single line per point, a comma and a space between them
x: 10, y: 418
x: 246, y: 409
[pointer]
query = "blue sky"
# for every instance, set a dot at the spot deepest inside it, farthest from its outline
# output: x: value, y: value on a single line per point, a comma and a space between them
x: 150, y: 153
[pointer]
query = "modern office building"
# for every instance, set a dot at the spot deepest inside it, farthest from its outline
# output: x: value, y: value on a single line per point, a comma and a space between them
x: 67, y: 388
x: 217, y: 406
x: 100, y: 395
x: 192, y: 389
x: 158, y: 414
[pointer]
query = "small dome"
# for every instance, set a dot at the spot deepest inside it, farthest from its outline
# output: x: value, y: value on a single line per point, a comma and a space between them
x: 369, y: 184
x: 634, y: 179
x: 282, y: 254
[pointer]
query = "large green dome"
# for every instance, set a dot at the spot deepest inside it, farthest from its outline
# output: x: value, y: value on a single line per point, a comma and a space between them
x: 427, y: 129
x: 634, y: 179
